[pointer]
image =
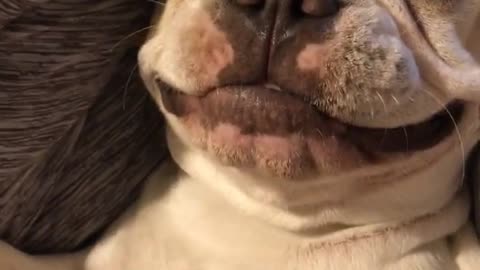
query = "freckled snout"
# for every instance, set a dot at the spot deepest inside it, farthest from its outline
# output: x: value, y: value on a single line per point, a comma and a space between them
x: 346, y: 60
x: 207, y: 44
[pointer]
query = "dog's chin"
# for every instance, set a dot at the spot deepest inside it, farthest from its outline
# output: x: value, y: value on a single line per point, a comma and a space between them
x: 272, y: 132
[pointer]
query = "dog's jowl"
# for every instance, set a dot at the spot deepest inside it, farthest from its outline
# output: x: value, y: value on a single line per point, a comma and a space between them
x: 306, y: 135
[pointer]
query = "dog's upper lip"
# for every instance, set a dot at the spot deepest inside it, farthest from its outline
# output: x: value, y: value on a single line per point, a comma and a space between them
x: 266, y: 109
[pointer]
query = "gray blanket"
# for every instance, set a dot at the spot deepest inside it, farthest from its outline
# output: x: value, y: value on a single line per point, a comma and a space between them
x: 78, y: 133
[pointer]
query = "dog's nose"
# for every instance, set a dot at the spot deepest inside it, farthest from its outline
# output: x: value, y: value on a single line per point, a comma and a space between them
x: 263, y: 33
x: 319, y: 8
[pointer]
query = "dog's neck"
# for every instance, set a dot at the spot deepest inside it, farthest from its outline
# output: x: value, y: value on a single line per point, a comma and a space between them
x: 225, y: 215
x: 374, y: 196
x: 222, y: 216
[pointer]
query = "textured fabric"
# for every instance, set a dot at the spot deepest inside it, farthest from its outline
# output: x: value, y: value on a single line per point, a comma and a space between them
x: 78, y: 132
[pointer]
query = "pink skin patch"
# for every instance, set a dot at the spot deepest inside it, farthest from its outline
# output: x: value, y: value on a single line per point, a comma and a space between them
x: 191, y: 52
x: 227, y: 142
x: 217, y: 53
x: 313, y: 57
x: 288, y: 156
x: 207, y: 45
x: 333, y: 154
x: 275, y: 147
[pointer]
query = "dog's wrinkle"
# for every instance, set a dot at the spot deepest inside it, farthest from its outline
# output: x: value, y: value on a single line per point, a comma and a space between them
x: 437, y: 24
x: 420, y: 24
x: 461, y: 83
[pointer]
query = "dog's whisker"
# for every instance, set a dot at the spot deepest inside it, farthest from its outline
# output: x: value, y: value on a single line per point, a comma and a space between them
x: 131, y: 35
x: 385, y: 107
x: 407, y: 142
x: 371, y: 107
x: 372, y: 113
x: 395, y: 99
x: 457, y: 130
x: 162, y: 3
x: 127, y: 84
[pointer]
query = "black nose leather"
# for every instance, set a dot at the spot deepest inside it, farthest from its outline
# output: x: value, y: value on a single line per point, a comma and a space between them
x: 318, y: 8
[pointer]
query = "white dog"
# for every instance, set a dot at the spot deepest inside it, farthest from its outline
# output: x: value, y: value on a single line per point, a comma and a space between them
x: 306, y: 135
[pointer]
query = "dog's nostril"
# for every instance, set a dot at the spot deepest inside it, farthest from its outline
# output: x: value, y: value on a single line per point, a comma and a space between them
x: 249, y: 2
x: 320, y: 8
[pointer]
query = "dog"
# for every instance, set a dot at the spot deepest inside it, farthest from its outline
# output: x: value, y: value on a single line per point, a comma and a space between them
x: 314, y: 134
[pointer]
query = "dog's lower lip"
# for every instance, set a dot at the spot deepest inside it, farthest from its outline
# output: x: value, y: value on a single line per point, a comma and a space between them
x: 262, y: 110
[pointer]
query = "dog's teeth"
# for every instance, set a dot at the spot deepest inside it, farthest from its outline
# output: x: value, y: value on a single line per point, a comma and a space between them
x: 272, y: 87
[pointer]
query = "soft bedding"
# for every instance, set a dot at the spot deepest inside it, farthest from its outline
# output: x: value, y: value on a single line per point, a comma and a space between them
x: 78, y: 134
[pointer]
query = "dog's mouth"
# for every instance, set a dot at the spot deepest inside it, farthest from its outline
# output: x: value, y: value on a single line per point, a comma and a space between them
x: 265, y: 111
x: 262, y: 112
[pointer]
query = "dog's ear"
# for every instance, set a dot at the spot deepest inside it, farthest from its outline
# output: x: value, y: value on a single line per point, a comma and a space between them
x: 473, y: 177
